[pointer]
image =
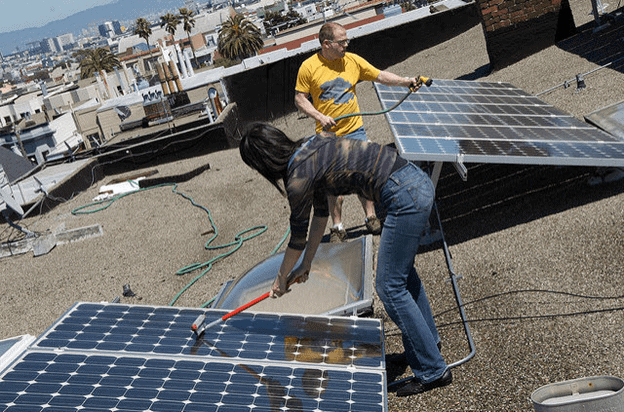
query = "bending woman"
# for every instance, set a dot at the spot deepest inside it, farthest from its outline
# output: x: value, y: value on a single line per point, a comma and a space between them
x: 325, y: 165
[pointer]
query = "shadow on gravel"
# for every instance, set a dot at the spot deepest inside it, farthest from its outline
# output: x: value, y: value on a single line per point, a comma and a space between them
x: 603, y: 45
x: 497, y: 197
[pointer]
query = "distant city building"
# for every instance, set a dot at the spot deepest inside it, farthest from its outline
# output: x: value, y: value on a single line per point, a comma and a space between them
x: 109, y: 29
x: 116, y: 27
x: 64, y: 41
x: 218, y: 4
x: 34, y: 46
x: 47, y: 62
x: 106, y: 29
x: 192, y: 5
x: 48, y: 46
x: 306, y: 11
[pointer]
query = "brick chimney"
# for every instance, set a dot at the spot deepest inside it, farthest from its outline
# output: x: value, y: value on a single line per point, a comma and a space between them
x: 515, y: 29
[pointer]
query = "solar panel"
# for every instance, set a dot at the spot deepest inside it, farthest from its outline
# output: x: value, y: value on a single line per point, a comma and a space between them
x: 481, y: 122
x: 103, y: 357
x: 610, y: 119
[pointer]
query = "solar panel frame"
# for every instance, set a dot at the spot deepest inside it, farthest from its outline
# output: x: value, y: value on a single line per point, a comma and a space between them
x: 487, y: 122
x: 308, y: 363
x: 610, y: 119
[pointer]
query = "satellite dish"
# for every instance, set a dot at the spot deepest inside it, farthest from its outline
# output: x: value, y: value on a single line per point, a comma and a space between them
x: 123, y: 112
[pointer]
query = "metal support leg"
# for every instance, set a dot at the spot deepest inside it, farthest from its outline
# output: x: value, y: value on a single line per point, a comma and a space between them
x: 458, y: 299
x: 435, y: 176
x: 435, y: 173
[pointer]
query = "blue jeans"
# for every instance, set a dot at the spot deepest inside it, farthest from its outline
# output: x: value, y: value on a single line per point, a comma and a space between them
x: 357, y: 134
x: 407, y: 199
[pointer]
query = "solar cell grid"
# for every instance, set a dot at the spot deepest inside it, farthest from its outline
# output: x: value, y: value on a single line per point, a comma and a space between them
x: 464, y: 121
x: 333, y: 364
x: 138, y: 383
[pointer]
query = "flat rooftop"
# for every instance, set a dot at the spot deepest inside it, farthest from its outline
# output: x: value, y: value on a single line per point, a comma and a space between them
x: 539, y: 249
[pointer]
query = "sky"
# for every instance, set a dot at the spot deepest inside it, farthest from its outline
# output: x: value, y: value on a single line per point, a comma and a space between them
x: 21, y: 14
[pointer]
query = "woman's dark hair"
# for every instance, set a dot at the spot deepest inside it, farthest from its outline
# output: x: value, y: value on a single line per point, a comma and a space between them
x: 267, y: 150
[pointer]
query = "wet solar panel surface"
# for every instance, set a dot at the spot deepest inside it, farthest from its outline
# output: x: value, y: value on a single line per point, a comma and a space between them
x: 481, y: 122
x: 112, y: 357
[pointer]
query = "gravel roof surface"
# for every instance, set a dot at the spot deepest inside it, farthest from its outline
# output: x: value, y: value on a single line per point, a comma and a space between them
x: 538, y: 248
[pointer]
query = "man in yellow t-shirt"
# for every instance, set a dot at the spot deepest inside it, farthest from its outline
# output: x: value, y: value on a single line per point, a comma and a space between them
x: 325, y: 90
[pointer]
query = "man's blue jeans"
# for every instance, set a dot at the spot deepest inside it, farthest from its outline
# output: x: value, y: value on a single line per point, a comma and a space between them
x: 407, y: 199
x: 357, y: 134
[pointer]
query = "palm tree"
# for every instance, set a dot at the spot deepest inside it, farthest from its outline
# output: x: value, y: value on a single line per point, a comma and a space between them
x: 239, y: 38
x: 143, y: 30
x: 170, y: 22
x: 188, y: 22
x: 96, y: 60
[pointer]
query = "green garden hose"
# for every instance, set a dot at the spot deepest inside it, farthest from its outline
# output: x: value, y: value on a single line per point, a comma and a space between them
x: 206, y: 266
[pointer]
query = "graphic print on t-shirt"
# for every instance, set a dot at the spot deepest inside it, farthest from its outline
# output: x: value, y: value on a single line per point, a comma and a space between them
x: 338, y: 90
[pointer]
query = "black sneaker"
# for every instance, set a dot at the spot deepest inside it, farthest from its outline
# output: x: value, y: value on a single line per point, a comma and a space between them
x: 415, y: 387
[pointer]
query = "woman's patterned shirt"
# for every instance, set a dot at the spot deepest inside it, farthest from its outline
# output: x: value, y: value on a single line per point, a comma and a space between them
x: 333, y: 166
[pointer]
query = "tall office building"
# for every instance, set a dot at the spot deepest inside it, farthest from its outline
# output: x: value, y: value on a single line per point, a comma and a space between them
x: 106, y: 29
x: 64, y: 41
x: 48, y: 45
x: 116, y: 27
x: 109, y: 29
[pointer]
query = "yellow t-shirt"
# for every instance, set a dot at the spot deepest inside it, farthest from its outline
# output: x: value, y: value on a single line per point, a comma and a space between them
x: 332, y: 87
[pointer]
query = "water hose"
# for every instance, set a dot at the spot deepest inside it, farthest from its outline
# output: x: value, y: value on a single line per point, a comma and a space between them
x: 427, y: 81
x: 236, y: 244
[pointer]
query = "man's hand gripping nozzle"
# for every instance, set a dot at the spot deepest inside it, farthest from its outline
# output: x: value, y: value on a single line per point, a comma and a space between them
x: 427, y: 81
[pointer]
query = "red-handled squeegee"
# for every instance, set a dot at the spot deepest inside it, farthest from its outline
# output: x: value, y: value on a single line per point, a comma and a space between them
x: 199, y: 326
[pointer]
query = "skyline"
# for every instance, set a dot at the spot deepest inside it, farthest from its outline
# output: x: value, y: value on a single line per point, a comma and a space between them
x: 37, y: 13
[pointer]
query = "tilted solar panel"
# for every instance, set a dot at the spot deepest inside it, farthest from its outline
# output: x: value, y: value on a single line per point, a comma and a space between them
x: 112, y: 357
x: 481, y: 122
